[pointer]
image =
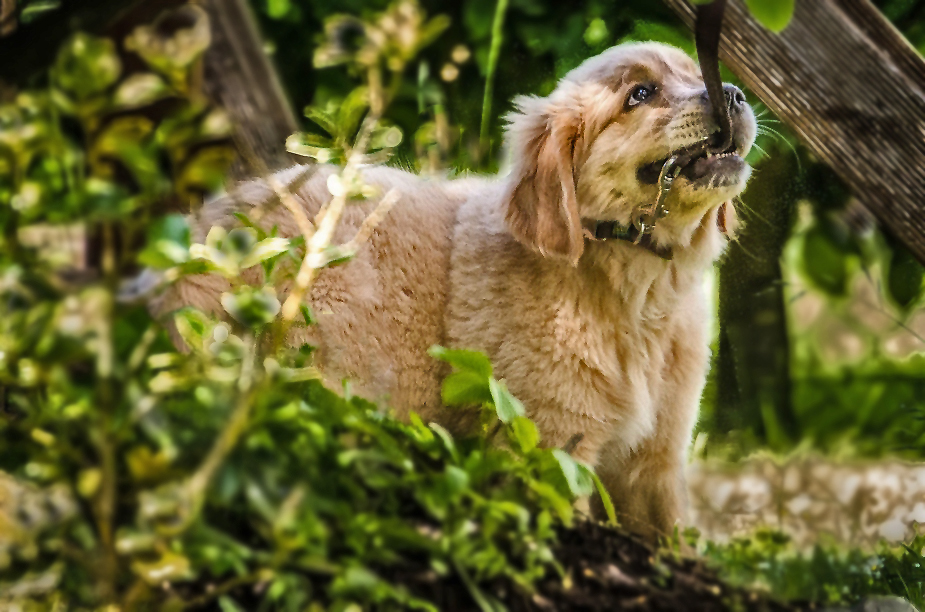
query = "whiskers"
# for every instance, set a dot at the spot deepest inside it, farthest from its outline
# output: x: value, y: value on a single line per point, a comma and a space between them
x: 760, y: 150
x: 740, y: 205
x: 764, y: 129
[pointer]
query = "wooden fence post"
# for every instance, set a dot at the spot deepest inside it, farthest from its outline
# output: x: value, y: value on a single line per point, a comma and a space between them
x: 240, y: 78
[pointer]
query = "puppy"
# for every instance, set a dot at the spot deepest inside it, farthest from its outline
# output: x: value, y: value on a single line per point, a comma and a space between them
x: 602, y: 333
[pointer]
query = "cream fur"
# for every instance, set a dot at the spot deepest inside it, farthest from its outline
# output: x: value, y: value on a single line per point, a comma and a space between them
x: 602, y: 339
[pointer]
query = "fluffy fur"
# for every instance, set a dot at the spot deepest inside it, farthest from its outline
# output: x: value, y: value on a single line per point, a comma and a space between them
x: 602, y: 339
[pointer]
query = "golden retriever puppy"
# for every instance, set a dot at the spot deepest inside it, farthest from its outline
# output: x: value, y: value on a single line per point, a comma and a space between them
x: 602, y: 336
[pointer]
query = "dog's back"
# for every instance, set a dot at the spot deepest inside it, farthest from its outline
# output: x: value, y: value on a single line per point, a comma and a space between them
x: 376, y: 316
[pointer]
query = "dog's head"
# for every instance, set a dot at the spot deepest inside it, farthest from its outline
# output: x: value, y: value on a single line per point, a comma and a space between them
x: 593, y: 149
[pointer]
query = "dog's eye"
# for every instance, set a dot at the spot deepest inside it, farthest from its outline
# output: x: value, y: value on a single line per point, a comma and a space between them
x: 640, y: 94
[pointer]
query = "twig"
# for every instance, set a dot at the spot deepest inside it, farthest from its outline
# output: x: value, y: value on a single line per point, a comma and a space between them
x: 281, y: 190
x: 325, y: 223
x: 196, y: 486
x: 374, y: 219
x: 573, y: 442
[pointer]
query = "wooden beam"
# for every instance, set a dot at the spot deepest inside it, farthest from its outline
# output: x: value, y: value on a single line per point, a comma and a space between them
x: 852, y: 88
x: 240, y: 78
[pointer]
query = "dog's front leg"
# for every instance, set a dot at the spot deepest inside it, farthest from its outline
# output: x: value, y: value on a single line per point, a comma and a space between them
x: 647, y: 488
x: 647, y: 484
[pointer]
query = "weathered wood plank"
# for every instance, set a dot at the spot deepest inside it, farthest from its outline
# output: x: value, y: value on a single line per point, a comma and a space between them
x: 240, y: 78
x: 853, y: 89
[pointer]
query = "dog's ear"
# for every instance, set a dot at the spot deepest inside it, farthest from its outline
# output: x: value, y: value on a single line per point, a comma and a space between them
x: 542, y: 208
x: 727, y: 220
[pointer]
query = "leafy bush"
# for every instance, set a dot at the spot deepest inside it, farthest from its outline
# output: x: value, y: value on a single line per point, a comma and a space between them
x: 139, y: 475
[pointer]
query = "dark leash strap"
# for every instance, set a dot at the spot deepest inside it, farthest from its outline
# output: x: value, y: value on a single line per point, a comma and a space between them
x: 707, y: 32
x: 708, y: 28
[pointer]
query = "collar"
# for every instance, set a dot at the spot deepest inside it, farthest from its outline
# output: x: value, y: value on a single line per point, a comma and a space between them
x: 611, y: 230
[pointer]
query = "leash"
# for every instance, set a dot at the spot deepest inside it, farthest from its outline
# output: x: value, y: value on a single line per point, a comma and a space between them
x: 709, y: 26
x: 708, y: 29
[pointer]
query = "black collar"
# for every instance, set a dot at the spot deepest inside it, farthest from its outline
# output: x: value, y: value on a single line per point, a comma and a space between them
x: 611, y: 230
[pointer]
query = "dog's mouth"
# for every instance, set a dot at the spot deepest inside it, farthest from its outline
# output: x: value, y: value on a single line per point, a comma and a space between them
x: 702, y: 168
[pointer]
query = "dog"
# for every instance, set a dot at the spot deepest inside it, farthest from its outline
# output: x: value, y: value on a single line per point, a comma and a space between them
x: 600, y: 330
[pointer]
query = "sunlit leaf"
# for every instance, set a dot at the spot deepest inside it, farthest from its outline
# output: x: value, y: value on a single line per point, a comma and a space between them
x: 507, y: 406
x: 524, y: 434
x: 463, y: 360
x: 265, y: 249
x: 465, y: 388
x: 578, y: 476
x: 87, y: 65
x: 773, y: 14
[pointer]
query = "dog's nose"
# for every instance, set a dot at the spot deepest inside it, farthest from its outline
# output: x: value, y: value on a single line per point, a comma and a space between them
x: 735, y: 98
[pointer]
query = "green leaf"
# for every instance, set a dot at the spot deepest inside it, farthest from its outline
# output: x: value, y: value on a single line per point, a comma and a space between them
x: 597, y: 33
x: 351, y: 111
x: 333, y: 255
x: 775, y: 15
x: 192, y: 325
x: 227, y: 604
x: 168, y: 242
x: 206, y: 171
x: 463, y: 360
x: 447, y: 438
x: 250, y: 307
x: 277, y: 9
x: 579, y: 480
x: 308, y: 315
x: 465, y: 388
x: 265, y: 249
x: 507, y: 406
x: 385, y: 138
x: 824, y: 262
x: 605, y: 496
x: 554, y: 499
x: 140, y: 90
x: 323, y: 119
x: 524, y: 434
x: 485, y: 602
x: 905, y: 277
x: 87, y: 65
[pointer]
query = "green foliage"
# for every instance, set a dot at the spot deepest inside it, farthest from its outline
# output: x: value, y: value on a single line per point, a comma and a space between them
x: 472, y: 383
x: 827, y: 574
x: 179, y: 479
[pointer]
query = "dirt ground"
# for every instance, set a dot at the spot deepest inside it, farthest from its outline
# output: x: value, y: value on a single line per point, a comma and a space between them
x: 605, y: 569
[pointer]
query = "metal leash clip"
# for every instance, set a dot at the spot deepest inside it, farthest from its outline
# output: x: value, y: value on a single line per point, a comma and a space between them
x: 646, y: 222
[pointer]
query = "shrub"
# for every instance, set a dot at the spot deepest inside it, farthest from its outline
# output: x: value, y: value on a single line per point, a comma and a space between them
x: 138, y: 475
